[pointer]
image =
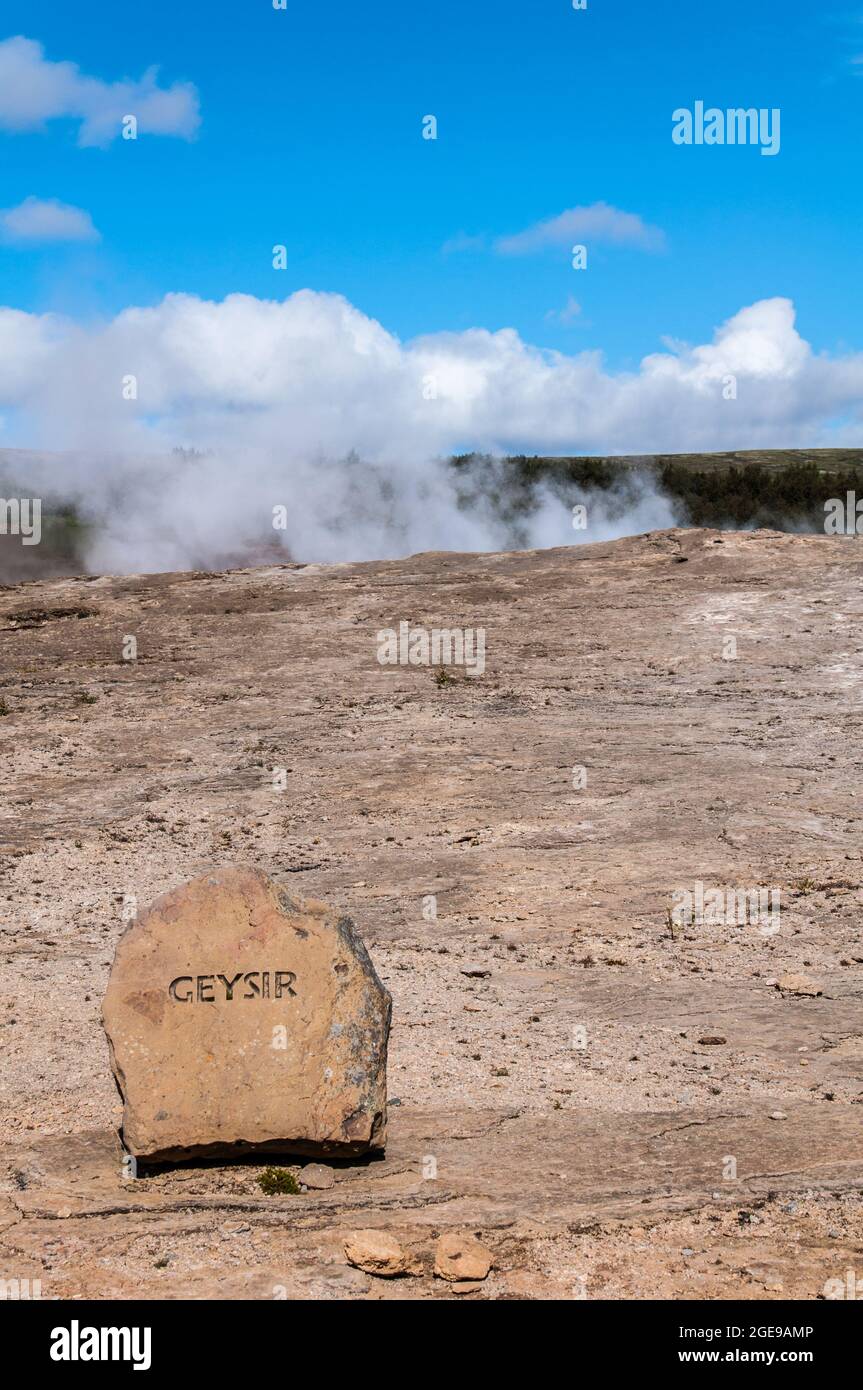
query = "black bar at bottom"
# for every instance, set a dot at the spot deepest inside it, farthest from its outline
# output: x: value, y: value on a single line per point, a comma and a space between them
x: 66, y: 1338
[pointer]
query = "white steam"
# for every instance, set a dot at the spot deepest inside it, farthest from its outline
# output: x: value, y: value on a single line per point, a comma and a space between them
x: 311, y: 405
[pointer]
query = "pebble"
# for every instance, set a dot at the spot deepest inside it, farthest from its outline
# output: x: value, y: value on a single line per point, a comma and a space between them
x: 317, y: 1176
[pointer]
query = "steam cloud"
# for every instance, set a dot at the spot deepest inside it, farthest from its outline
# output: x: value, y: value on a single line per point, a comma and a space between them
x: 310, y: 404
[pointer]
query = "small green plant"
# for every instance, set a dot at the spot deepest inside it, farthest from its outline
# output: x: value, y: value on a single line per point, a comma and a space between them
x: 443, y: 678
x: 85, y: 698
x: 4, y: 708
x: 277, y: 1182
x: 805, y: 885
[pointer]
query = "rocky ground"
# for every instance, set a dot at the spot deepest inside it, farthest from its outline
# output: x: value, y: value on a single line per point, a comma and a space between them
x: 616, y: 1106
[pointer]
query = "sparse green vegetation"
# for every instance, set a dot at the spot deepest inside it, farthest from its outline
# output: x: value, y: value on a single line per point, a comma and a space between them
x: 442, y: 678
x: 805, y: 885
x: 277, y: 1182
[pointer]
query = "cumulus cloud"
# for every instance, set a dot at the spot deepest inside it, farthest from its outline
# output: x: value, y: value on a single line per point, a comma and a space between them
x: 38, y: 219
x: 277, y: 395
x: 34, y: 90
x: 597, y: 223
x: 315, y: 372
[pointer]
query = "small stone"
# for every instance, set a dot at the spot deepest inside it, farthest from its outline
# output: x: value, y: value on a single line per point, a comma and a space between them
x: 476, y: 972
x: 317, y: 1176
x: 459, y: 1258
x: 799, y: 984
x: 465, y: 1286
x: 712, y: 1041
x: 376, y: 1253
x: 778, y: 1115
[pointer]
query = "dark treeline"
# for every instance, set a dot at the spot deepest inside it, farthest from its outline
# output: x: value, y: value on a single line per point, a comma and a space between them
x: 61, y: 547
x: 781, y: 489
x: 752, y: 495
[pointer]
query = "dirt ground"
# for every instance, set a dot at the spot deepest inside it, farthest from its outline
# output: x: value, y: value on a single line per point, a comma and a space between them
x: 617, y: 1106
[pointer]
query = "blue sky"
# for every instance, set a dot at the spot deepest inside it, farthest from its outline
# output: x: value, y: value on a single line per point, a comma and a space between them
x: 310, y: 135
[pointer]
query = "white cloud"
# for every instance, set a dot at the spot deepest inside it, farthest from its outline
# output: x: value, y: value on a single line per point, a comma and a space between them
x: 34, y: 90
x: 315, y: 371
x: 597, y: 223
x: 280, y: 392
x: 38, y: 219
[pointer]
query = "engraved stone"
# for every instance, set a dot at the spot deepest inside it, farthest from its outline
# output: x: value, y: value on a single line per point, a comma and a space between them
x: 240, y: 1019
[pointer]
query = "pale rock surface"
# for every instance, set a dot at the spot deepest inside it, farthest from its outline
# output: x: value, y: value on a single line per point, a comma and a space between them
x: 799, y: 984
